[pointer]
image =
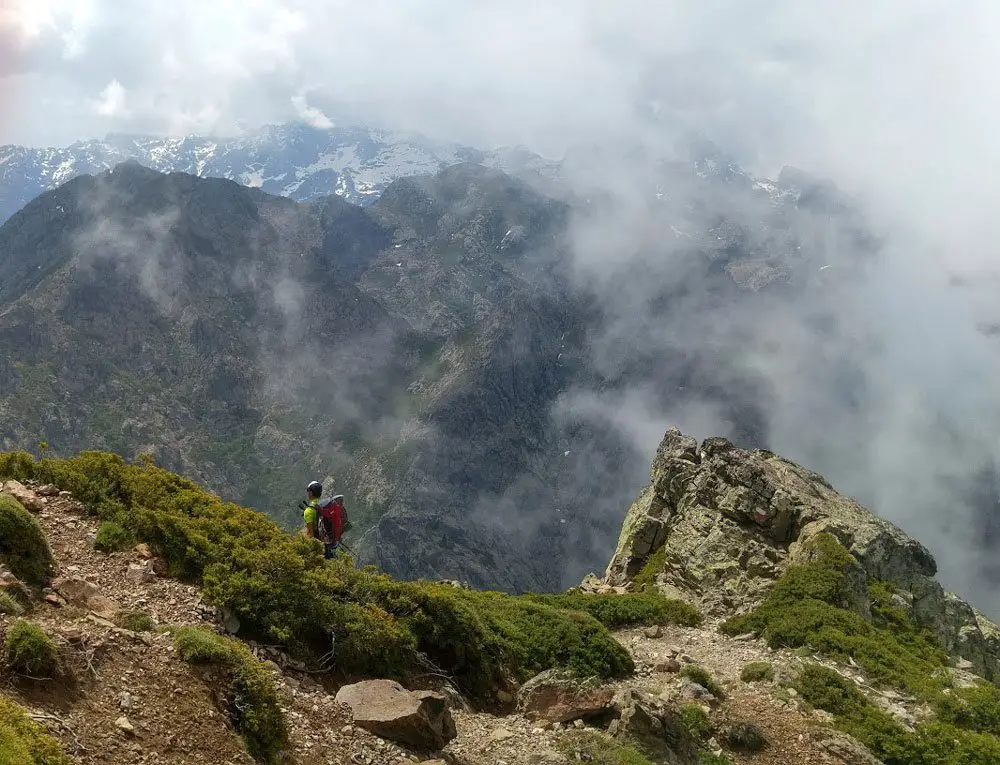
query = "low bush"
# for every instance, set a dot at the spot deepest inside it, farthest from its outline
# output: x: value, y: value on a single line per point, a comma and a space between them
x: 599, y: 749
x: 934, y: 743
x: 9, y: 606
x: 696, y: 720
x: 806, y: 607
x: 757, y: 672
x: 653, y: 567
x: 29, y: 651
x: 252, y: 702
x: 113, y: 537
x: 135, y: 621
x: 284, y: 592
x: 628, y: 610
x: 976, y: 709
x: 22, y: 543
x: 24, y: 742
x: 745, y: 736
x: 700, y: 675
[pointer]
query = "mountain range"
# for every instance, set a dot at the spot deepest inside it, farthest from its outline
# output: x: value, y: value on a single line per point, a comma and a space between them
x: 471, y: 357
x: 293, y: 160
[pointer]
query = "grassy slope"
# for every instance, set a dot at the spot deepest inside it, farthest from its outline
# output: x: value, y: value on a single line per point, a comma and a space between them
x: 284, y: 592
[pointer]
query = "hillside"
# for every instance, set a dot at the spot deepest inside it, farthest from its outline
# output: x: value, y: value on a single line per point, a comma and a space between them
x: 148, y: 574
x: 293, y: 160
x: 441, y: 354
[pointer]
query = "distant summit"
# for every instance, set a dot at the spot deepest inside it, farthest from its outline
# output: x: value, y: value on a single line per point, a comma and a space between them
x: 292, y: 159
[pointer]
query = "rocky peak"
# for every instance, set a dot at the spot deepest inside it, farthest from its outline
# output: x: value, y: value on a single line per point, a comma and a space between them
x: 719, y: 524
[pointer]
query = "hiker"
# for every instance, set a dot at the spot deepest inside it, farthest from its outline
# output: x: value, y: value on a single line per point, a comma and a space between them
x: 310, y: 509
x: 325, y: 520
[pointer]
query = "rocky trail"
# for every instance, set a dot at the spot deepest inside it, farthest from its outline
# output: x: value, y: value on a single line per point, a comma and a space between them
x: 133, y: 701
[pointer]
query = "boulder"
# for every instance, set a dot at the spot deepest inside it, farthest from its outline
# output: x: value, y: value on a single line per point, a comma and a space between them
x: 48, y: 490
x: 140, y: 573
x: 727, y: 522
x: 86, y: 595
x: 31, y: 501
x: 420, y: 719
x: 656, y: 725
x: 559, y: 696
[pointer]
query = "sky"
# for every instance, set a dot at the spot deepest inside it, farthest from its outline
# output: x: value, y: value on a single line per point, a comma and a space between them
x: 893, y: 99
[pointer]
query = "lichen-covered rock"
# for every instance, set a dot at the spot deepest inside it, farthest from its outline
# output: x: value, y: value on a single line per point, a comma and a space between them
x: 727, y: 522
x: 655, y: 724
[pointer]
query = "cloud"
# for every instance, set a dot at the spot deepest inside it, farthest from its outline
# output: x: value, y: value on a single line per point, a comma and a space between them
x: 310, y: 114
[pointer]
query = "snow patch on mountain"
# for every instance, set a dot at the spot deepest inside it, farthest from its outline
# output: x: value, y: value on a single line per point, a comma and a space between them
x: 293, y: 160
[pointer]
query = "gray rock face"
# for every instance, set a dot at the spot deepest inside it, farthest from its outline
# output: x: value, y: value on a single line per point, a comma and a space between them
x: 727, y: 522
x: 417, y: 718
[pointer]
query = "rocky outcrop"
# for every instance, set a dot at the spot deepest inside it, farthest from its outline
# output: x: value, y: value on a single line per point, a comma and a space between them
x: 417, y: 718
x: 719, y: 524
x: 656, y: 725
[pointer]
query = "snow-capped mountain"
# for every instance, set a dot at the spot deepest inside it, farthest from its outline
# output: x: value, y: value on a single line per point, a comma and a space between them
x: 293, y: 160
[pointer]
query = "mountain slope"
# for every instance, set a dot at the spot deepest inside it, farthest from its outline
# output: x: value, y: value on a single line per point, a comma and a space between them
x: 459, y: 358
x: 293, y: 160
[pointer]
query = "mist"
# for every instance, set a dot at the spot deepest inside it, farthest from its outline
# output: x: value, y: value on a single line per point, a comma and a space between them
x: 892, y: 398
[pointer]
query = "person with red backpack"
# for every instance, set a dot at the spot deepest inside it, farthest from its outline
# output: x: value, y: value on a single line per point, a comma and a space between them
x: 325, y: 519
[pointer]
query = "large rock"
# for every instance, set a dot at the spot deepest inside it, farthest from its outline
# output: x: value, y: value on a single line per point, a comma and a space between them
x: 727, y: 522
x: 31, y: 501
x: 420, y: 719
x: 86, y: 595
x: 655, y: 725
x: 559, y: 696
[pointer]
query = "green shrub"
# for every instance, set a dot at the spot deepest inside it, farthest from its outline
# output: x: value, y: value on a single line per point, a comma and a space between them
x: 135, y: 621
x: 646, y: 578
x: 9, y: 606
x: 113, y: 537
x: 806, y: 608
x: 22, y: 543
x: 700, y: 675
x: 745, y: 736
x: 709, y: 758
x: 252, y: 700
x: 935, y: 743
x: 757, y: 671
x: 284, y: 592
x: 696, y: 720
x: 29, y: 651
x: 628, y: 610
x: 976, y: 709
x: 24, y: 742
x: 599, y: 749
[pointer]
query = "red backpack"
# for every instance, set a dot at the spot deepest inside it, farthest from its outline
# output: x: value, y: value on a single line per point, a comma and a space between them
x: 332, y: 521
